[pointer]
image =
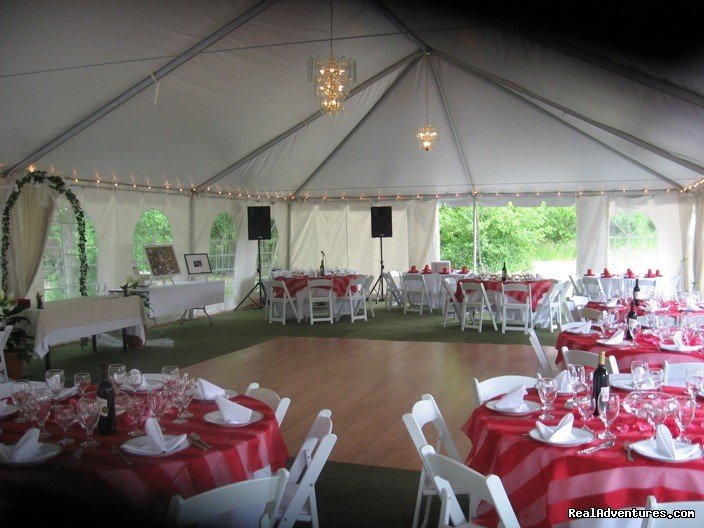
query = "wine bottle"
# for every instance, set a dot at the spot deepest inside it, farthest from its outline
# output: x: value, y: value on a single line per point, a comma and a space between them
x: 106, y: 398
x: 504, y: 273
x: 600, y: 380
x: 636, y: 293
x: 632, y: 321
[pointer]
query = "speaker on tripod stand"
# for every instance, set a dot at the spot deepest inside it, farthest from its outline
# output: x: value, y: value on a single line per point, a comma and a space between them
x: 381, y: 228
x: 258, y: 228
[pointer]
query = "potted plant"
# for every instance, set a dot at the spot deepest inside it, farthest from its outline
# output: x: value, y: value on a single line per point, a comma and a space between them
x: 18, y: 348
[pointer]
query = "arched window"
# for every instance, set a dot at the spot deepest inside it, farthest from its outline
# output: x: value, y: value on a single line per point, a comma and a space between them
x: 633, y: 242
x: 269, y: 257
x: 223, y: 242
x: 153, y: 228
x: 61, y: 260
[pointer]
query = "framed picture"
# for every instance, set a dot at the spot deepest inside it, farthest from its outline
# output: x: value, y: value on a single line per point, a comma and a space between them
x: 162, y: 260
x: 197, y: 263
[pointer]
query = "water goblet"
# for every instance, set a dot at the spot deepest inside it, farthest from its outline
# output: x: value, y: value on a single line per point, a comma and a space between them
x: 88, y: 414
x: 577, y: 377
x: 117, y: 374
x: 122, y: 402
x: 654, y: 413
x: 609, y: 405
x: 184, y: 395
x: 657, y: 377
x: 639, y: 373
x: 21, y: 389
x: 693, y: 381
x: 55, y: 381
x: 135, y: 413
x: 82, y: 381
x: 64, y: 416
x: 547, y: 391
x: 170, y: 376
x: 157, y: 403
x: 586, y: 406
x: 684, y: 414
x: 39, y: 408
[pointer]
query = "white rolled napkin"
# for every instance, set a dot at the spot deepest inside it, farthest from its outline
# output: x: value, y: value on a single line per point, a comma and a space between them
x: 615, y: 339
x: 208, y: 391
x: 25, y: 450
x: 678, y: 341
x: 563, y: 382
x: 513, y: 400
x: 133, y: 376
x: 156, y: 437
x: 232, y: 412
x: 559, y: 434
x: 665, y: 445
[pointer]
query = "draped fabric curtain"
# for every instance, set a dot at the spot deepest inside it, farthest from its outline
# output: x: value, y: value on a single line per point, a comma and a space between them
x: 29, y: 229
x: 424, y: 232
x: 698, y: 244
x: 686, y: 209
x: 592, y: 233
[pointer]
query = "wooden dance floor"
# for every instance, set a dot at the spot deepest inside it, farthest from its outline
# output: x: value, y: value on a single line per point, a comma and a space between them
x: 368, y: 385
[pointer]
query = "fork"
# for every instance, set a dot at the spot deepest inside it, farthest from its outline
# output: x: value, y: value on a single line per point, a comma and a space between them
x: 116, y: 451
x: 588, y: 451
x: 629, y: 454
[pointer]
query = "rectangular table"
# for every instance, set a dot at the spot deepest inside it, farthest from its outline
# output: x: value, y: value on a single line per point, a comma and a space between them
x: 183, y: 296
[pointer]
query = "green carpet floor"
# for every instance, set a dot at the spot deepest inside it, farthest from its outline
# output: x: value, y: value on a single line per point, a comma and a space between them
x: 197, y: 340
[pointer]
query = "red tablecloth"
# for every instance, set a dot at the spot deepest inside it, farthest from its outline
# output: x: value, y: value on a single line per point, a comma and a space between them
x: 543, y: 481
x: 538, y: 289
x: 147, y: 486
x: 296, y: 284
x: 647, y: 350
x: 622, y: 309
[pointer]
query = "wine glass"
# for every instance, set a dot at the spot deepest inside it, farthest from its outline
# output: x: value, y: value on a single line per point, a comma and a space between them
x: 577, y: 377
x: 88, y: 414
x: 547, y: 390
x: 55, y: 381
x: 21, y: 389
x: 82, y: 381
x: 184, y: 395
x: 586, y: 407
x: 684, y: 414
x: 639, y: 373
x: 122, y: 402
x: 157, y: 403
x: 135, y: 413
x: 654, y: 413
x: 170, y: 376
x: 64, y: 417
x: 609, y: 405
x: 135, y: 379
x: 657, y: 377
x: 693, y: 381
x: 117, y: 373
x: 39, y: 408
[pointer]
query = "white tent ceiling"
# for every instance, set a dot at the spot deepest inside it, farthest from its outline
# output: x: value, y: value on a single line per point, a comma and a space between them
x: 240, y: 117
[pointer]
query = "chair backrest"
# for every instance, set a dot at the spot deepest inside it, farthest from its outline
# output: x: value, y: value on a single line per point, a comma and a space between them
x: 368, y: 281
x: 413, y: 277
x: 450, y: 291
x: 470, y: 287
x: 358, y: 283
x: 697, y: 507
x: 593, y: 288
x: 576, y: 287
x: 544, y: 366
x: 426, y: 411
x: 589, y: 359
x: 515, y: 286
x: 320, y: 289
x: 390, y: 282
x: 678, y: 370
x: 4, y: 336
x: 397, y: 277
x: 279, y: 405
x: 450, y: 475
x: 210, y: 504
x: 277, y: 284
x: 492, y: 387
x: 591, y: 314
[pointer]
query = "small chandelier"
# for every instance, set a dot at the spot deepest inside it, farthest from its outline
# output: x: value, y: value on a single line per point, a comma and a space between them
x: 332, y: 77
x: 427, y: 135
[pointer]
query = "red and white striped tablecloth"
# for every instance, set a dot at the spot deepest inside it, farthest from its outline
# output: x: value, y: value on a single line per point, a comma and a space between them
x: 543, y: 481
x: 296, y: 284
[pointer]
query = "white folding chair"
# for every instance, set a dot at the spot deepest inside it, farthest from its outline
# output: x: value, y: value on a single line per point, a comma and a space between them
x: 278, y: 405
x: 492, y: 387
x: 356, y: 298
x: 651, y: 503
x: 368, y: 290
x: 588, y: 359
x: 593, y: 288
x: 470, y: 305
x: 394, y: 292
x: 556, y: 300
x: 576, y: 286
x: 281, y: 302
x: 4, y: 336
x: 415, y: 287
x: 647, y: 287
x: 450, y: 307
x: 678, y: 370
x: 266, y: 491
x: 320, y: 295
x: 448, y: 475
x: 426, y: 411
x: 299, y: 502
x: 544, y: 367
x: 509, y: 302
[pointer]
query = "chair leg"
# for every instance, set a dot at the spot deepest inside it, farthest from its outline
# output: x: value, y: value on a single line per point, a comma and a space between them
x: 313, y: 504
x: 419, y: 501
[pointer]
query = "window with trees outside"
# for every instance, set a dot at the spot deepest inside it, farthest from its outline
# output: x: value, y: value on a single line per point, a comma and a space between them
x: 269, y: 257
x: 61, y: 260
x: 633, y: 242
x: 153, y: 228
x: 222, y: 251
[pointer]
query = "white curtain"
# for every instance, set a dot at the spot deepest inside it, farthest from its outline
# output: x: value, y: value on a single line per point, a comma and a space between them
x: 686, y: 208
x: 29, y: 229
x: 698, y: 243
x: 423, y: 232
x: 592, y: 233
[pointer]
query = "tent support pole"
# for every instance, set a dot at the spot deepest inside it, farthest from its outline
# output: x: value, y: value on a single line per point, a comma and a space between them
x: 289, y: 236
x: 475, y: 233
x: 192, y: 223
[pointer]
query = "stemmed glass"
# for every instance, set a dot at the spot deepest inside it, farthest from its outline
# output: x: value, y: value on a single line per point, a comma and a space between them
x: 693, y: 381
x: 157, y: 403
x: 684, y: 414
x: 657, y: 377
x: 135, y: 413
x: 586, y: 407
x: 64, y: 417
x: 185, y: 392
x: 117, y: 373
x: 547, y: 390
x: 170, y: 376
x: 577, y: 378
x: 39, y: 408
x: 609, y: 406
x: 88, y: 413
x: 639, y: 372
x: 21, y: 390
x: 55, y: 381
x: 655, y: 414
x: 82, y: 381
x: 135, y: 379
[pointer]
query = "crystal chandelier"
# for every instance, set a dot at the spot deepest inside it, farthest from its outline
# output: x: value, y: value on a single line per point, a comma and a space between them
x: 332, y: 77
x: 427, y: 135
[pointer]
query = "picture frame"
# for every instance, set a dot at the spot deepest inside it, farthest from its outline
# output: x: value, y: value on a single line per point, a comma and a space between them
x: 162, y: 260
x: 197, y: 263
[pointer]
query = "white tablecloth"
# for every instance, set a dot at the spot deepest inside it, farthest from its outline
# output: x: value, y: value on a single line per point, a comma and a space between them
x: 177, y: 298
x: 433, y: 282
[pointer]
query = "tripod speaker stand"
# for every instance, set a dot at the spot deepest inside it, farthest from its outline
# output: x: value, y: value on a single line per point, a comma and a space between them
x: 381, y: 228
x: 259, y: 285
x: 379, y: 284
x: 258, y: 228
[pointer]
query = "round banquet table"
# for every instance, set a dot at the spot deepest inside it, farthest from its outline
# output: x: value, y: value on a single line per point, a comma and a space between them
x: 669, y: 309
x: 543, y: 481
x: 646, y: 348
x: 538, y: 288
x: 298, y: 289
x: 142, y: 491
x: 433, y: 283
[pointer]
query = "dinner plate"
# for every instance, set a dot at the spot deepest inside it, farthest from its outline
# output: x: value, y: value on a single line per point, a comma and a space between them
x: 229, y: 393
x: 627, y: 384
x: 153, y: 384
x: 581, y: 437
x: 46, y: 452
x: 532, y: 407
x: 136, y: 446
x: 9, y: 410
x: 216, y: 418
x: 623, y: 343
x: 647, y: 448
x: 684, y: 349
x: 578, y: 333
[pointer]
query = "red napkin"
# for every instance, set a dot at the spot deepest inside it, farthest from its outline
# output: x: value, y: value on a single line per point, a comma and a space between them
x: 657, y: 273
x: 464, y: 269
x: 413, y: 269
x: 444, y: 271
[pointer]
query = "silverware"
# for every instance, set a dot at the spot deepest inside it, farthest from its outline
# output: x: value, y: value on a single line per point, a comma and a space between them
x: 588, y: 451
x: 118, y: 452
x: 65, y: 462
x: 629, y: 454
x: 199, y: 441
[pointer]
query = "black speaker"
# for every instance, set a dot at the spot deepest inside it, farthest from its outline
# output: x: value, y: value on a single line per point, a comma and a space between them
x: 381, y: 222
x: 259, y: 223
